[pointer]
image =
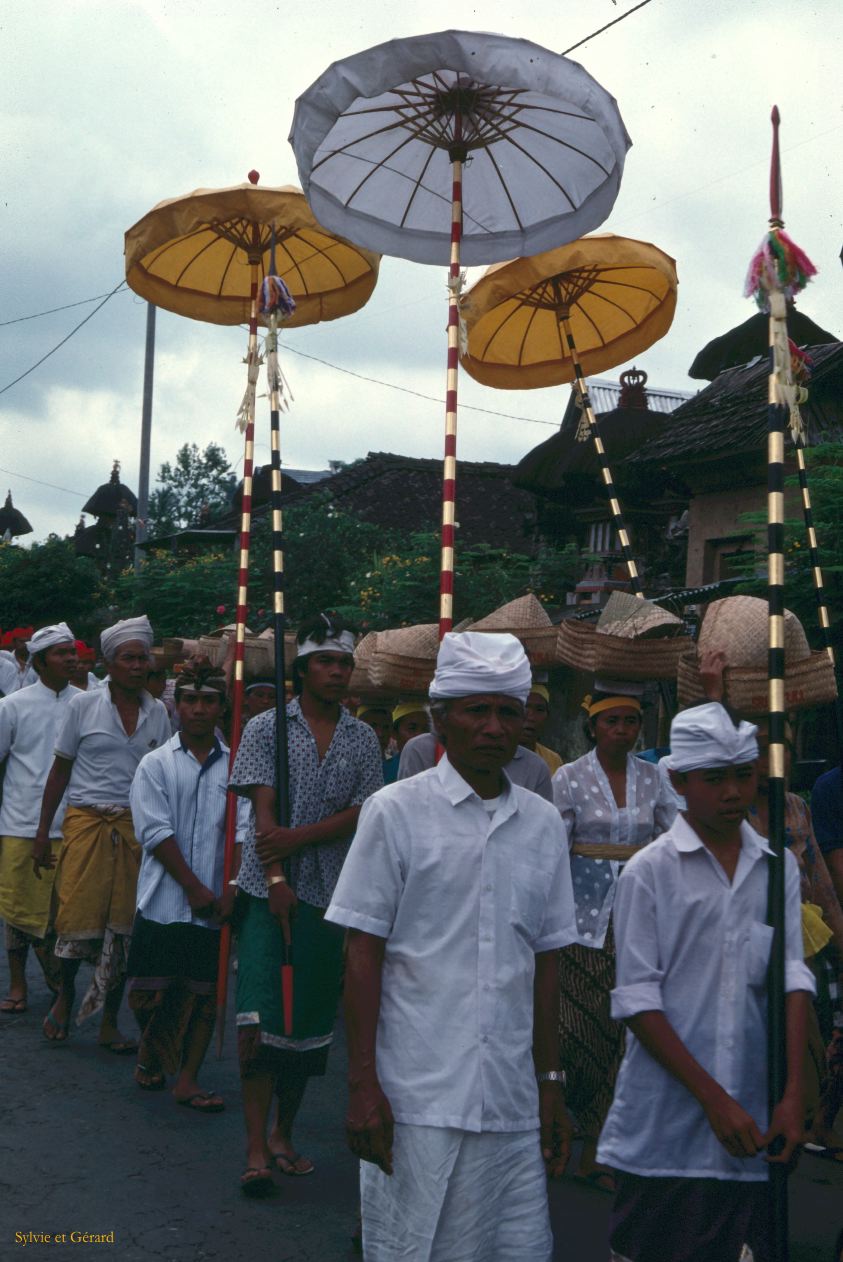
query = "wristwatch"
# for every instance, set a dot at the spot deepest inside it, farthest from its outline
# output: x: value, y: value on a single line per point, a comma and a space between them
x: 553, y: 1075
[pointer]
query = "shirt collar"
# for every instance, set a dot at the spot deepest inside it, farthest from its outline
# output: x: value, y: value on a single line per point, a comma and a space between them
x: 686, y: 839
x: 39, y: 683
x: 458, y: 790
x: 216, y: 751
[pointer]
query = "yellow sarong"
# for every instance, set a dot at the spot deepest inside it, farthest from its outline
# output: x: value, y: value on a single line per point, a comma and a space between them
x: 25, y: 902
x: 97, y: 874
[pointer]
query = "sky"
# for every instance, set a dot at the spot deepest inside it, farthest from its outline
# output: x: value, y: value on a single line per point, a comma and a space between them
x: 110, y: 106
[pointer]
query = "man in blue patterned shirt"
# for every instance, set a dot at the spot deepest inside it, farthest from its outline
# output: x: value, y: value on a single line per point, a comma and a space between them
x: 334, y: 764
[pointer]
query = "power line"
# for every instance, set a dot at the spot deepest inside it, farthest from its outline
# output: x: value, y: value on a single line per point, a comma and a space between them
x: 52, y: 310
x: 614, y: 22
x: 429, y: 398
x: 38, y: 482
x: 58, y: 345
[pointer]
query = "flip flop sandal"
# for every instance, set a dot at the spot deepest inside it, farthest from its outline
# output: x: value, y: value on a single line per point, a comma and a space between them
x: 123, y: 1047
x: 61, y: 1028
x: 13, y: 1006
x: 287, y: 1165
x: 203, y: 1102
x: 157, y: 1082
x: 256, y: 1181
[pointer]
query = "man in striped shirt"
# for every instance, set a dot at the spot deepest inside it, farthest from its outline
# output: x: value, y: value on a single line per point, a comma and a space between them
x: 178, y: 808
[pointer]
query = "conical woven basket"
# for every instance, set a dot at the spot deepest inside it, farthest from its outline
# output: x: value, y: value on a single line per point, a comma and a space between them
x: 404, y: 660
x: 528, y: 622
x: 738, y: 627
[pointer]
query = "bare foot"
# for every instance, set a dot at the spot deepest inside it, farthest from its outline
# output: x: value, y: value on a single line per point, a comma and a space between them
x: 113, y: 1041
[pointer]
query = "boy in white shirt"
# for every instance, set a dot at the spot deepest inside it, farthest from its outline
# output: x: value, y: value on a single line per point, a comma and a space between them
x: 689, y: 1121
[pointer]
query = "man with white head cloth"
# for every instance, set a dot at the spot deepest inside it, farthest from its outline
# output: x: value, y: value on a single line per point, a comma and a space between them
x: 457, y: 895
x: 105, y: 733
x: 29, y: 722
x: 689, y: 1122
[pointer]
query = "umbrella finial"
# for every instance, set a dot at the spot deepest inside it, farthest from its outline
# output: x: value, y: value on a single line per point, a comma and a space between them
x: 254, y: 176
x: 776, y: 197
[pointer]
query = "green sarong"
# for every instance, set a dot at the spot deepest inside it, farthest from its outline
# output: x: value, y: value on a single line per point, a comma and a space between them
x: 317, y: 958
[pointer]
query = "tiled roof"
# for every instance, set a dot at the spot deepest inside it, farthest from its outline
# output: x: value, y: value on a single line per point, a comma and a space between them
x: 730, y: 415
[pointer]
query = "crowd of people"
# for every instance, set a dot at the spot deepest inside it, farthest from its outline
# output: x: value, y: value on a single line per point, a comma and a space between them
x: 530, y: 951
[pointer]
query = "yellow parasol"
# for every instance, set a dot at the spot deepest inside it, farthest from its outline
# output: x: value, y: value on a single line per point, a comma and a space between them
x: 550, y: 318
x: 208, y: 255
x: 193, y: 254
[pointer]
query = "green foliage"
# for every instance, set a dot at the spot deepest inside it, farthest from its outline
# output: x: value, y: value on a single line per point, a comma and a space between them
x: 825, y: 482
x: 402, y: 586
x: 199, y: 485
x: 179, y: 595
x: 47, y: 583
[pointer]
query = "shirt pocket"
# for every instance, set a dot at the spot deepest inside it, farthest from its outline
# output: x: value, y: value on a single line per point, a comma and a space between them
x: 758, y: 953
x: 527, y: 899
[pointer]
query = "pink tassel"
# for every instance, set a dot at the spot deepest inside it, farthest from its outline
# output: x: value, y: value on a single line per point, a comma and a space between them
x: 778, y: 264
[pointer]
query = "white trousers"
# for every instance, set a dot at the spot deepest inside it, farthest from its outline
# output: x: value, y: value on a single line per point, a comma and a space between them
x: 457, y: 1196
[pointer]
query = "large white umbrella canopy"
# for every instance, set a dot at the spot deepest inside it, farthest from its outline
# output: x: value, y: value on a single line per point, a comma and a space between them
x: 375, y: 136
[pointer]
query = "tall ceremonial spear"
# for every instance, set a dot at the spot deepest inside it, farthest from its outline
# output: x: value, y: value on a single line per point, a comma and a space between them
x: 778, y: 270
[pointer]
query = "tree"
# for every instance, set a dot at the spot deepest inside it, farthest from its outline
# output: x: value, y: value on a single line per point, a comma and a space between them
x: 50, y: 583
x: 198, y: 486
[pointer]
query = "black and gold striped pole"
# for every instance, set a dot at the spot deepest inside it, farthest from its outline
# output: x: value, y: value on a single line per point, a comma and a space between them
x: 778, y: 270
x: 276, y: 298
x: 602, y: 459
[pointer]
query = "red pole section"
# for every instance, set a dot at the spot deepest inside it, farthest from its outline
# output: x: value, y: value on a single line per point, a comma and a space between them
x: 449, y: 471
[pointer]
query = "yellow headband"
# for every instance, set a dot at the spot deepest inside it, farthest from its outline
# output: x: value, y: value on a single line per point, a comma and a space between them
x: 373, y: 705
x: 407, y: 707
x: 609, y: 703
x: 542, y: 691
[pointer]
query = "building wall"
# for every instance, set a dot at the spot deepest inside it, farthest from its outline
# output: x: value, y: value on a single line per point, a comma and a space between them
x: 715, y: 530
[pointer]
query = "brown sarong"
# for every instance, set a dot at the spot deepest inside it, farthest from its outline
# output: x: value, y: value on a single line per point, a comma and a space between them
x: 591, y: 1043
x: 687, y: 1220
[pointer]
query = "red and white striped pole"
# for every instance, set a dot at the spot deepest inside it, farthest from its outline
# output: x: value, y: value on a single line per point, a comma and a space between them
x: 240, y: 620
x: 449, y: 472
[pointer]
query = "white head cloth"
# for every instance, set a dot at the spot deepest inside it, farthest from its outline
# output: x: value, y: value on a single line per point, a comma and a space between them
x: 473, y: 662
x: 122, y: 632
x: 705, y: 736
x: 49, y: 637
x: 343, y: 642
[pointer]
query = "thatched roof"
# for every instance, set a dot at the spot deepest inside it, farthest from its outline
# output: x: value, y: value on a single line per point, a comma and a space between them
x: 750, y: 339
x: 729, y: 416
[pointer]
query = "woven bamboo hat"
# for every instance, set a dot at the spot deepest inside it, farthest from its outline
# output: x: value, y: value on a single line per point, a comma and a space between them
x: 528, y: 622
x: 634, y: 640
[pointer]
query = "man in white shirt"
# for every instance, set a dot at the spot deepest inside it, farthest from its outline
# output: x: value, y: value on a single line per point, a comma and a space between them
x: 689, y: 1121
x: 457, y: 895
x: 29, y: 721
x: 178, y: 800
x: 105, y: 734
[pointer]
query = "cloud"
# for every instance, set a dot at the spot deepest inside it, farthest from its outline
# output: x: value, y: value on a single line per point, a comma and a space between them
x: 114, y: 105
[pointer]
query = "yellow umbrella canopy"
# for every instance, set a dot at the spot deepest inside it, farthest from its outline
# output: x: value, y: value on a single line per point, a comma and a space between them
x: 618, y: 296
x: 193, y: 255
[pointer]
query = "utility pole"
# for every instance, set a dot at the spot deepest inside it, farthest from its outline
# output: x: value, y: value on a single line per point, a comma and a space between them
x: 146, y: 433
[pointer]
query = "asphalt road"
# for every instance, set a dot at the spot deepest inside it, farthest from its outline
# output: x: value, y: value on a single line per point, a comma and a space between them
x: 83, y: 1150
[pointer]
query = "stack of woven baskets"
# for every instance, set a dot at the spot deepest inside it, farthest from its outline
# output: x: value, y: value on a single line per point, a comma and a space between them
x: 633, y: 639
x: 738, y: 627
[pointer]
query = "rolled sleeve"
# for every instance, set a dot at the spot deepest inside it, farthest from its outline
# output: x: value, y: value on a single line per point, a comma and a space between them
x: 639, y: 971
x: 151, y: 813
x: 371, y: 883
